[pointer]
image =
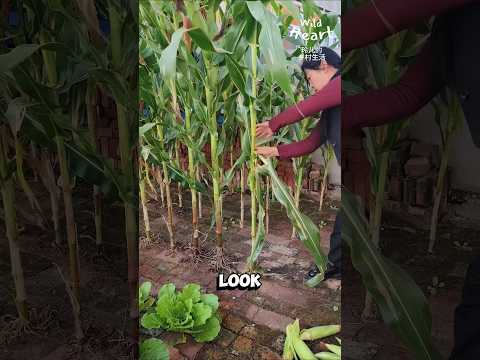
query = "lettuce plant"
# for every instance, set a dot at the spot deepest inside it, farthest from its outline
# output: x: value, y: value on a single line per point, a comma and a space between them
x: 186, y: 312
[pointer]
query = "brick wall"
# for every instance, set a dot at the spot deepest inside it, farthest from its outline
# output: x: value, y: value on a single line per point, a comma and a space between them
x: 106, y: 128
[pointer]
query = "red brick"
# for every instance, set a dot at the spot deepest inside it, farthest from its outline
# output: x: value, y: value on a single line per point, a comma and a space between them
x: 243, y: 345
x: 190, y: 349
x: 417, y: 166
x: 272, y: 320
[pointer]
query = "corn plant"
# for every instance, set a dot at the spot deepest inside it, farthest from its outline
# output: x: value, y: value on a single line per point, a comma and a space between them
x: 449, y: 117
x: 328, y: 155
x: 384, y: 64
x: 401, y: 302
x: 8, y: 200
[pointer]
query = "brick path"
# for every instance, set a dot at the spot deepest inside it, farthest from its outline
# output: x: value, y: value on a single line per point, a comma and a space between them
x: 253, y: 321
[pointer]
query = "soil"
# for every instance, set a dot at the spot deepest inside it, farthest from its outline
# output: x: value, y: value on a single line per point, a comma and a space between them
x: 253, y: 321
x: 407, y: 246
x: 103, y: 292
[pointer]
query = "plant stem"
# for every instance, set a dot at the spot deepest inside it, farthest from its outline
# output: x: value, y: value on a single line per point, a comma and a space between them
x: 439, y: 187
x: 69, y: 216
x: 324, y: 186
x: 253, y: 157
x: 158, y: 178
x: 23, y: 182
x: 90, y: 100
x: 298, y: 188
x: 267, y: 206
x: 199, y: 194
x: 242, y: 196
x: 49, y: 180
x: 191, y: 170
x: 74, y: 263
x: 143, y: 199
x: 166, y: 182
x: 131, y: 224
x: 8, y: 199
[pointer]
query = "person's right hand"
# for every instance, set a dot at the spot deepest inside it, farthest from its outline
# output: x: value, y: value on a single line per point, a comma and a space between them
x: 263, y: 130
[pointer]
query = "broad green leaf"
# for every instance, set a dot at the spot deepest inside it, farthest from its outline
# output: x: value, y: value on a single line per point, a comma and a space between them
x: 166, y: 290
x: 168, y: 60
x: 402, y: 304
x: 17, y: 55
x: 144, y: 290
x: 271, y: 45
x: 151, y: 321
x: 201, y: 39
x: 208, y: 331
x: 153, y: 349
x: 190, y: 291
x: 201, y: 313
x: 211, y: 300
x: 236, y: 72
x: 307, y: 231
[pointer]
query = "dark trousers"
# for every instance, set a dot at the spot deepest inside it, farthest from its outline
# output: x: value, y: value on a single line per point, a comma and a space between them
x: 335, y: 253
x: 467, y: 317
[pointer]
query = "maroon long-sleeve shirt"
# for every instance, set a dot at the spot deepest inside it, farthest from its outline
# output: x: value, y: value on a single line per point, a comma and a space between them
x: 328, y: 97
x: 417, y: 86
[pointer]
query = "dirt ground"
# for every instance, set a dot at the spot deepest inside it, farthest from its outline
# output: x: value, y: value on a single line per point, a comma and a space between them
x: 406, y: 244
x: 103, y: 293
x: 253, y: 321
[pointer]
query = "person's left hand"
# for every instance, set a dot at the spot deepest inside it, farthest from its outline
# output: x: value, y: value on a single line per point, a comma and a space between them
x: 267, y: 151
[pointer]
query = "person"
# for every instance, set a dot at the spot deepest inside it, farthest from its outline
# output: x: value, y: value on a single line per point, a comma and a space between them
x: 450, y: 58
x: 323, y: 76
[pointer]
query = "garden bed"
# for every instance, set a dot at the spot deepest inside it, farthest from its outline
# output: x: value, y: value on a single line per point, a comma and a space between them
x: 253, y: 321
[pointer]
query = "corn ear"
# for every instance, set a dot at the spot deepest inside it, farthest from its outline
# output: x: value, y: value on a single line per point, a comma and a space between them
x: 302, y: 350
x: 324, y: 355
x: 319, y: 332
x: 288, y: 351
x: 334, y: 349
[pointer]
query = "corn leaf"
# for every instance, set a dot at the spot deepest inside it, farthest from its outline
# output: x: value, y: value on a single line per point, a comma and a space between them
x: 402, y: 304
x: 307, y: 231
x: 168, y: 60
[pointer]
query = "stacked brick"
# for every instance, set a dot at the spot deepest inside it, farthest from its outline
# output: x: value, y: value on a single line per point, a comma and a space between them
x: 413, y: 174
x: 355, y: 166
x: 107, y: 128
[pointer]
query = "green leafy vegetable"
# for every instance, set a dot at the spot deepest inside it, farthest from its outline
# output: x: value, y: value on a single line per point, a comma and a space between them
x: 187, y: 311
x: 153, y: 349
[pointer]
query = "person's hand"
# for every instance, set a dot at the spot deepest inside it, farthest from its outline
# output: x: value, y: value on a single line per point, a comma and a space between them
x: 263, y: 130
x: 267, y: 151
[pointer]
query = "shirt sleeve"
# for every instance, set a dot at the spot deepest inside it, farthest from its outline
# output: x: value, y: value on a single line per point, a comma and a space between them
x: 380, y: 18
x: 328, y: 97
x: 303, y: 147
x: 420, y: 83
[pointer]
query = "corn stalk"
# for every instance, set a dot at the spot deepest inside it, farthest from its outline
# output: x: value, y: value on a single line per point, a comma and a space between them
x: 66, y: 185
x: 8, y: 199
x: 126, y: 160
x: 328, y: 155
x: 450, y: 108
x: 90, y: 101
